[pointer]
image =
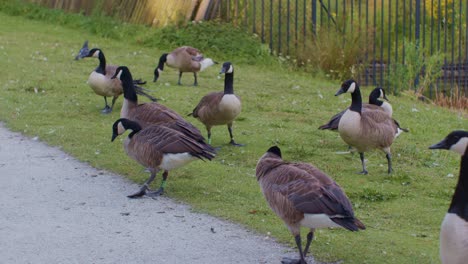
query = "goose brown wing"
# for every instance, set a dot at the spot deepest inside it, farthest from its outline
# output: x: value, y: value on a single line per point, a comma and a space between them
x: 334, y: 121
x: 207, y: 103
x: 154, y: 113
x: 192, y: 51
x: 163, y: 140
x: 310, y: 195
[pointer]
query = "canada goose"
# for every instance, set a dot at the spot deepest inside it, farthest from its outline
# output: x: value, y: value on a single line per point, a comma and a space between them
x: 302, y: 195
x: 185, y: 59
x: 102, y: 84
x: 151, y: 113
x: 158, y: 147
x: 366, y: 130
x: 83, y: 51
x: 373, y: 102
x: 454, y: 229
x: 219, y: 108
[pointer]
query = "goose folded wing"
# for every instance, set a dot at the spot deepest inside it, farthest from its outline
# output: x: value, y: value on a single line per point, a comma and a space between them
x: 312, y: 197
x: 210, y: 99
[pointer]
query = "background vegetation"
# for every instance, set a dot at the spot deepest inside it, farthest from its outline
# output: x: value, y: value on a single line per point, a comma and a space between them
x: 44, y: 94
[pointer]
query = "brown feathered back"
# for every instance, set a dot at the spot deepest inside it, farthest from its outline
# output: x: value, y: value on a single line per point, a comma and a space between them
x: 293, y: 189
x: 150, y: 144
x: 185, y: 58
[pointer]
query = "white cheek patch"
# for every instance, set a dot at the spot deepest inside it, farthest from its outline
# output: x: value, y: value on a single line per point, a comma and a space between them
x: 119, y: 74
x: 120, y: 129
x: 96, y: 54
x: 460, y: 146
x: 231, y: 69
x: 381, y: 93
x: 351, y: 88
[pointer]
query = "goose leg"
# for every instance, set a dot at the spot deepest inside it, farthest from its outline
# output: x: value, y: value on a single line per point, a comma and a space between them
x: 180, y: 77
x: 232, y: 142
x: 389, y: 160
x: 106, y: 108
x: 296, y: 261
x: 145, y: 186
x: 209, y: 134
x: 364, y: 170
x: 160, y: 191
x: 113, y: 103
x: 310, y: 236
x: 195, y: 83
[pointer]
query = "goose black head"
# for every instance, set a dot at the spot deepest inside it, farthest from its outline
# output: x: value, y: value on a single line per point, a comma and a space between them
x: 121, y: 125
x: 227, y: 68
x: 275, y: 150
x: 94, y: 52
x: 160, y: 66
x: 456, y: 141
x: 378, y: 93
x: 122, y: 72
x: 348, y: 86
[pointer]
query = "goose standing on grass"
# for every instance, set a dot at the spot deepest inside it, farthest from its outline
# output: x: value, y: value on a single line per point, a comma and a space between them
x: 102, y: 84
x: 374, y: 102
x: 454, y: 230
x: 160, y: 148
x: 366, y: 130
x: 185, y: 59
x: 302, y: 195
x: 148, y: 114
x: 151, y: 113
x: 220, y: 108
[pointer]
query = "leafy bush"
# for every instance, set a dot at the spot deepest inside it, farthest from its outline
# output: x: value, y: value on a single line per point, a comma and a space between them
x: 220, y: 39
x: 416, y: 64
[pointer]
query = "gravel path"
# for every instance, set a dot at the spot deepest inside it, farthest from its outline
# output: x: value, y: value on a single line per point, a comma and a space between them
x: 55, y: 209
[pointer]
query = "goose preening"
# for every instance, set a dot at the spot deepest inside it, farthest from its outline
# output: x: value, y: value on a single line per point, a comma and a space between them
x: 158, y: 148
x: 220, y: 108
x: 302, y: 195
x: 102, y: 84
x: 184, y: 59
x: 366, y: 129
x: 454, y: 229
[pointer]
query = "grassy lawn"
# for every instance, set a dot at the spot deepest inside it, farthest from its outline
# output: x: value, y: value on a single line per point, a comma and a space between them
x: 44, y: 93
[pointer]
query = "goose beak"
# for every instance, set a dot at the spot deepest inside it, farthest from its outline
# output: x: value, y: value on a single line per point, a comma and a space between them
x: 215, y: 62
x: 441, y: 145
x: 385, y: 97
x: 114, y: 76
x: 113, y: 137
x: 340, y: 91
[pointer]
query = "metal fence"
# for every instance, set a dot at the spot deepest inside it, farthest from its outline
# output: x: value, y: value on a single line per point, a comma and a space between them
x: 383, y: 28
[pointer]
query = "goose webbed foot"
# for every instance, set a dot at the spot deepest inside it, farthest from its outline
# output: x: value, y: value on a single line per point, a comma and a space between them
x: 156, y: 193
x: 106, y: 110
x: 364, y: 172
x: 233, y: 143
x: 139, y: 194
x: 287, y: 260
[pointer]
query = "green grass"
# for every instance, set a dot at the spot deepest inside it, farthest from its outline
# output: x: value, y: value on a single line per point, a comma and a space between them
x: 402, y: 211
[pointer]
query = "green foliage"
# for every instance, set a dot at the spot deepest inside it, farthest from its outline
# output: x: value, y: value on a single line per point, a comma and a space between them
x: 221, y: 39
x: 417, y: 64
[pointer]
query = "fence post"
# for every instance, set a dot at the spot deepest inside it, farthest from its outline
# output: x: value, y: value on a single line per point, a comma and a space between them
x: 314, y: 16
x: 417, y: 21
